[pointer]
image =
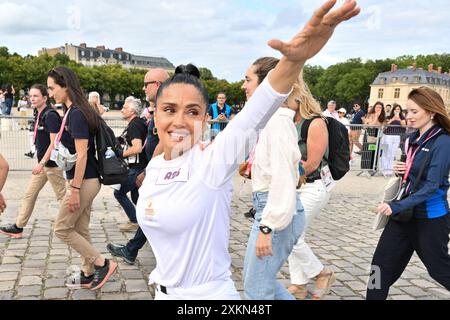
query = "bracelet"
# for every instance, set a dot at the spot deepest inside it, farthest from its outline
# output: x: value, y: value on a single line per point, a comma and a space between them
x: 76, y: 188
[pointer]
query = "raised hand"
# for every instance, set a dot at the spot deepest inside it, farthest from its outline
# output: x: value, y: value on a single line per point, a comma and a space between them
x: 316, y: 33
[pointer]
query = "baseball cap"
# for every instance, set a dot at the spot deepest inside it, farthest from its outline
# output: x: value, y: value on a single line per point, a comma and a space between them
x: 342, y: 110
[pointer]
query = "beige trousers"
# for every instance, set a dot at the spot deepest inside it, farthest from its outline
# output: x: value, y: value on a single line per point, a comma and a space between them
x: 73, y: 227
x: 58, y: 183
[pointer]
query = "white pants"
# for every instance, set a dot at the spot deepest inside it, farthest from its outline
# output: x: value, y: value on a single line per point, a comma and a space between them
x: 390, y: 144
x: 214, y: 290
x: 303, y: 263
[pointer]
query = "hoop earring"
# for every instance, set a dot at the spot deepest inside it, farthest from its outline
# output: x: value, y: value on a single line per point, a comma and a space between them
x: 155, y: 131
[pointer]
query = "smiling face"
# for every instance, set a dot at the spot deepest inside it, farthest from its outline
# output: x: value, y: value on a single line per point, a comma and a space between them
x: 55, y: 91
x: 251, y: 81
x: 179, y: 118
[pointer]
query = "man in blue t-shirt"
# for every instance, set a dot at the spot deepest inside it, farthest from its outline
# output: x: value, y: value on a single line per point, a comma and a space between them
x: 47, y: 125
x: 219, y: 114
x: 355, y: 131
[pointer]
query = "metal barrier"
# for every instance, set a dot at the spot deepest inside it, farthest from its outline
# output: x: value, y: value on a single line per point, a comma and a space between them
x: 16, y: 140
x: 379, y: 147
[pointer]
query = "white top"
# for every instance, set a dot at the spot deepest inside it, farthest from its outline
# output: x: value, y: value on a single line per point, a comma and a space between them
x: 333, y: 114
x: 184, y: 204
x: 275, y: 169
x: 345, y: 122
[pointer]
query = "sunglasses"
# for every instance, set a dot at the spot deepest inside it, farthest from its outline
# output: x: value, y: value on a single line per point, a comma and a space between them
x: 149, y: 82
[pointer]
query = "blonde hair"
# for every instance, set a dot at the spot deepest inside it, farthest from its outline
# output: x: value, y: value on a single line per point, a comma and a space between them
x: 301, y: 95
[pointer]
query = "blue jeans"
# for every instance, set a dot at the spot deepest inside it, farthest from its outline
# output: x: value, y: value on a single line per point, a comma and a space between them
x: 260, y: 274
x: 122, y: 198
x: 8, y: 106
x: 135, y: 244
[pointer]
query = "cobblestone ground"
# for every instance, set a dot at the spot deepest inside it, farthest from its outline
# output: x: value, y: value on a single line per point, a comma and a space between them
x: 34, y: 267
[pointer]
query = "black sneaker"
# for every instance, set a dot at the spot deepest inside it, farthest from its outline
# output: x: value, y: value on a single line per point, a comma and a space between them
x: 102, y: 274
x: 12, y: 230
x: 250, y: 213
x: 121, y: 251
x: 79, y: 280
x: 29, y: 154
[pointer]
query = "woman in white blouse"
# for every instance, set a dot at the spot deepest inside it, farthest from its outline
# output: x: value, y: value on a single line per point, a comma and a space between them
x: 279, y: 216
x: 184, y: 202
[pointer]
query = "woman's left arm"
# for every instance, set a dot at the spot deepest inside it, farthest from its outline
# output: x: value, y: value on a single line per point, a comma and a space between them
x: 81, y: 147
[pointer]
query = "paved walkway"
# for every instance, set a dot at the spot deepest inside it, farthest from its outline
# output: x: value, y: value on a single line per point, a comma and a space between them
x: 34, y: 267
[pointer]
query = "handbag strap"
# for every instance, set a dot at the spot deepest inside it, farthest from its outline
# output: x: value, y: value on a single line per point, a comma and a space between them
x: 422, y: 168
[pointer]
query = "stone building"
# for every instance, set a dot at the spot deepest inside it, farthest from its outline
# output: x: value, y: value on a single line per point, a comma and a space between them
x: 395, y: 85
x: 98, y: 56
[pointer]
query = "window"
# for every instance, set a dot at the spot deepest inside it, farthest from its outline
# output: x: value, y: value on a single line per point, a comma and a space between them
x: 405, y: 79
x: 82, y: 53
x: 397, y: 93
x: 417, y: 79
x: 120, y: 56
x: 380, y: 93
x: 394, y: 79
x: 92, y: 53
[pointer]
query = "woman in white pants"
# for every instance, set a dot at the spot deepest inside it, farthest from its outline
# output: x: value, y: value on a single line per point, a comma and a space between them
x: 313, y: 143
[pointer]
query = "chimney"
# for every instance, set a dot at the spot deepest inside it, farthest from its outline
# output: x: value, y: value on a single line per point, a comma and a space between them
x: 430, y: 67
x: 414, y: 65
x: 119, y: 49
x: 83, y: 45
x: 440, y: 70
x: 101, y: 48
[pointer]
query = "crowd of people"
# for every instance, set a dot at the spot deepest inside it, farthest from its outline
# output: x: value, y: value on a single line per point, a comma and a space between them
x: 284, y: 132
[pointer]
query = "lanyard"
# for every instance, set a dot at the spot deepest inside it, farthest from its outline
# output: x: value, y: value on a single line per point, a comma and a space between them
x: 63, y: 124
x: 36, y: 125
x: 410, y: 157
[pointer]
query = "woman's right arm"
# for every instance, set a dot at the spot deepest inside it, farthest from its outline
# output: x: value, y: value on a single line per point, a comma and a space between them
x: 437, y: 169
x: 4, y: 168
x: 307, y: 43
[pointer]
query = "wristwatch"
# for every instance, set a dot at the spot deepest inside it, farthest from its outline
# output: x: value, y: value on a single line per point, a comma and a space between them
x: 265, y: 229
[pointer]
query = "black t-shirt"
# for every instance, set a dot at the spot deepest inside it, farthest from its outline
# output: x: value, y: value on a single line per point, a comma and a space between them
x: 78, y: 128
x: 49, y: 122
x: 137, y: 129
x: 152, y: 140
x: 9, y: 95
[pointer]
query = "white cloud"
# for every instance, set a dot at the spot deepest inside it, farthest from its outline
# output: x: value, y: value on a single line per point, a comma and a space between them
x: 225, y: 36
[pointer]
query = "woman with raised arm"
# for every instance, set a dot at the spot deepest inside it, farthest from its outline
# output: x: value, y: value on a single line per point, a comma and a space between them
x: 188, y: 231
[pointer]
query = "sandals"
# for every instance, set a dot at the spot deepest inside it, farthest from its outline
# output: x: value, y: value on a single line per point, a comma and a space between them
x: 300, y: 292
x: 320, y: 292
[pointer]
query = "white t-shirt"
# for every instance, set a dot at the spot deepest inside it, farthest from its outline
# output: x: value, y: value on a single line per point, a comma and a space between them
x: 184, y: 204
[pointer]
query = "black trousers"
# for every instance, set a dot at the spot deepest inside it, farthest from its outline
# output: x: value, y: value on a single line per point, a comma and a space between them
x: 428, y: 237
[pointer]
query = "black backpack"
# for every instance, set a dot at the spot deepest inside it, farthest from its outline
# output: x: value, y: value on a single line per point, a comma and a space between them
x: 44, y: 118
x: 338, y: 146
x: 113, y: 170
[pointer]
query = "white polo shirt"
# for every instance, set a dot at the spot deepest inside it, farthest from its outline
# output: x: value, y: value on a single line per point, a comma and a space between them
x: 184, y: 204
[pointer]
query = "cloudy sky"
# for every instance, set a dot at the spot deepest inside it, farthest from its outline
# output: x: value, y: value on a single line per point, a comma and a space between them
x: 222, y: 35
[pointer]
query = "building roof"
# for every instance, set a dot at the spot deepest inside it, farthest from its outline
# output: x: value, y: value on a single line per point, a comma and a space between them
x: 411, y: 76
